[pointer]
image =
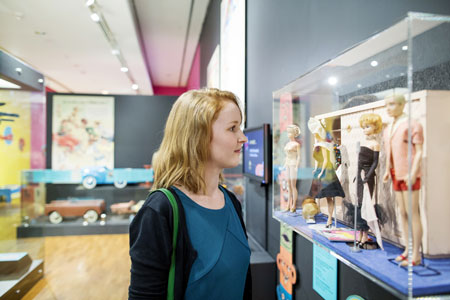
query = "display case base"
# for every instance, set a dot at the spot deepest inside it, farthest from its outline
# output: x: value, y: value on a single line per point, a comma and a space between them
x: 264, y: 271
x: 17, y: 288
x: 375, y: 264
x: 42, y: 227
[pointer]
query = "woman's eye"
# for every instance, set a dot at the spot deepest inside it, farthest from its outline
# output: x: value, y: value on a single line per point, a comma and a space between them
x: 233, y: 128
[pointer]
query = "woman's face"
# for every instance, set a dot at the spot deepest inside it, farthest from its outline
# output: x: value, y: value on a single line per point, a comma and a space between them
x: 227, y: 138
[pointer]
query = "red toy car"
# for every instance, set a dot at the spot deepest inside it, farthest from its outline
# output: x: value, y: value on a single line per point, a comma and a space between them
x: 56, y: 210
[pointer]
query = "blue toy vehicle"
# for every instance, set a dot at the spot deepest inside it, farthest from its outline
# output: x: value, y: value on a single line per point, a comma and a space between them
x: 119, y: 177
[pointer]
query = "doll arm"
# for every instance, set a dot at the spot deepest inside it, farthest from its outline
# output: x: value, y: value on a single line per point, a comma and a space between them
x: 298, y: 155
x: 325, y: 161
x: 315, y: 166
x: 388, y: 167
x: 376, y: 155
x: 416, y: 163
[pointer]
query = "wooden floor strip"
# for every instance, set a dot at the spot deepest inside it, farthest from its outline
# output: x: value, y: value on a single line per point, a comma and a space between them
x: 84, y: 267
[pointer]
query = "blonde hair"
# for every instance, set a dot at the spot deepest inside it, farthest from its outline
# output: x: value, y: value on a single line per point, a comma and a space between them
x: 294, y: 129
x: 371, y: 119
x: 185, y: 147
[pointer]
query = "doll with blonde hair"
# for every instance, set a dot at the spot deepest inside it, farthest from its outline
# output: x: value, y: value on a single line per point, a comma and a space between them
x: 368, y: 157
x: 292, y: 162
x: 324, y: 167
x: 396, y: 143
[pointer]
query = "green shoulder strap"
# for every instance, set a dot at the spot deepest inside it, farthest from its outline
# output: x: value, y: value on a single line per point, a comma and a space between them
x: 171, y: 282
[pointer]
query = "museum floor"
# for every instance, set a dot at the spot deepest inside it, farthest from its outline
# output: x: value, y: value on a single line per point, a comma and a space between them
x: 84, y: 267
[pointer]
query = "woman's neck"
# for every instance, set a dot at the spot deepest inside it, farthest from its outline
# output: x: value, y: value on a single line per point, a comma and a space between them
x: 211, y: 178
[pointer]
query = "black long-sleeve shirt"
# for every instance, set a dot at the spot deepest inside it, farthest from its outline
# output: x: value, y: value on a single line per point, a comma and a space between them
x: 151, y: 249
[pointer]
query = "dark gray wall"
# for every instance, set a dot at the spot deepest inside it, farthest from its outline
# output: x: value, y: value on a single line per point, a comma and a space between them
x: 285, y: 39
x: 138, y: 126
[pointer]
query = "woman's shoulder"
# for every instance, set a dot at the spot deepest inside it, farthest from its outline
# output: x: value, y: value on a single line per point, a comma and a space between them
x: 157, y: 201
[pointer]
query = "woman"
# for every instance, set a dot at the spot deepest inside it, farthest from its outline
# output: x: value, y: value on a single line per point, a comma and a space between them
x: 323, y: 155
x: 369, y: 153
x: 201, y: 138
x: 292, y: 151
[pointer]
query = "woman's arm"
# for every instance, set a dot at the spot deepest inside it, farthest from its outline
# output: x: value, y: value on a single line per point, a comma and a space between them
x: 150, y: 252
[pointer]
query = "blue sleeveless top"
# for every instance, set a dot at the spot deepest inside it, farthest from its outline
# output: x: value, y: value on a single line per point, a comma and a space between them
x: 220, y: 270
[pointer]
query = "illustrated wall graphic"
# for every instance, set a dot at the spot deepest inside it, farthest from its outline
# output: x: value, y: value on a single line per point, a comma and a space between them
x: 286, y: 267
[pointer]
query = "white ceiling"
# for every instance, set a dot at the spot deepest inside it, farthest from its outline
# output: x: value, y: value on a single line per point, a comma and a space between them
x: 59, y: 39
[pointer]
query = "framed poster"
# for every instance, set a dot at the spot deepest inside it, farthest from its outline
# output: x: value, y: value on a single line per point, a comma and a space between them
x: 82, y: 132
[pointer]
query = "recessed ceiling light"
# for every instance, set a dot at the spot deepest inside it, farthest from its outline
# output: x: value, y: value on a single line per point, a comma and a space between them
x: 124, y: 69
x: 89, y: 2
x: 18, y: 15
x: 374, y: 63
x: 40, y: 80
x: 134, y: 86
x: 332, y: 80
x: 388, y: 76
x: 359, y: 85
x: 105, y: 92
x: 404, y: 48
x: 115, y: 51
x: 95, y: 17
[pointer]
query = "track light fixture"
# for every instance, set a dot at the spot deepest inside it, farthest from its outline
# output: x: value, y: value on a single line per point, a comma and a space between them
x: 97, y: 16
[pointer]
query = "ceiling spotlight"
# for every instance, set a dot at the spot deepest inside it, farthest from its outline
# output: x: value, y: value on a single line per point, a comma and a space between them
x: 134, y: 86
x: 89, y: 2
x: 115, y: 51
x: 332, y: 80
x: 105, y: 92
x: 359, y: 85
x: 95, y: 17
x: 404, y: 48
x: 40, y: 80
x: 374, y: 63
x: 124, y: 69
x: 18, y: 70
x: 388, y: 76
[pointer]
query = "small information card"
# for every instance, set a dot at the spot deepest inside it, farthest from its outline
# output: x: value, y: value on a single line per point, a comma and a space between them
x: 324, y: 273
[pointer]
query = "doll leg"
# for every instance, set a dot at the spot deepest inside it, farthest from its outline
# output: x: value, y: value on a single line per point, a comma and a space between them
x: 292, y: 181
x: 330, y: 204
x: 404, y: 223
x: 416, y: 226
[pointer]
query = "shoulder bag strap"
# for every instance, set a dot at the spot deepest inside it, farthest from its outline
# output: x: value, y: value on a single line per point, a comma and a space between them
x: 173, y: 203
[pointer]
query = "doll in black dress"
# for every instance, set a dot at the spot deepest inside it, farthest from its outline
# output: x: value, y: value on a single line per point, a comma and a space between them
x: 371, y: 125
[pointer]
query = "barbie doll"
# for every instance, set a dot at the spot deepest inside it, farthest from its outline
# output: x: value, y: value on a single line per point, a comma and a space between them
x: 368, y: 157
x: 396, y: 146
x: 324, y: 165
x: 292, y: 150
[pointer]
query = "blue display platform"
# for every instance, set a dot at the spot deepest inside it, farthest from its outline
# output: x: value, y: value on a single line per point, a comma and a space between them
x: 376, y: 262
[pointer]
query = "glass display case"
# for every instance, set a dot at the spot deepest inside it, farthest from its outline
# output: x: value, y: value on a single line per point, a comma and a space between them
x: 360, y: 164
x: 88, y: 201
